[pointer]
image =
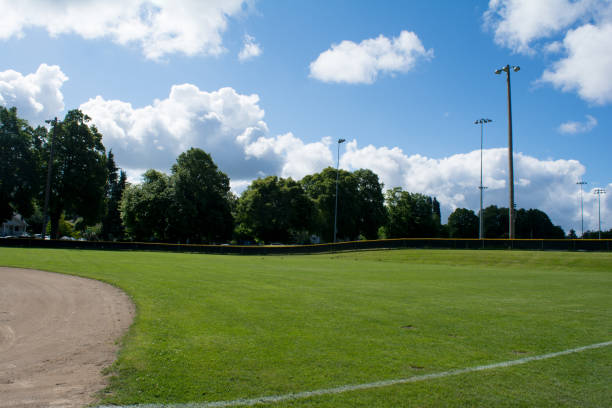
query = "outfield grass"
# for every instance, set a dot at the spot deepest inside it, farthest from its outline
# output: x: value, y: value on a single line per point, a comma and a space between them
x: 215, y: 328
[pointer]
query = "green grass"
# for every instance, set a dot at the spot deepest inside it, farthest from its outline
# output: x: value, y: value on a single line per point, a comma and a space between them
x: 214, y: 328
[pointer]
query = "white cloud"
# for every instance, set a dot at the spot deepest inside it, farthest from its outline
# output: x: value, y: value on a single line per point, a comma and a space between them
x: 226, y: 124
x: 361, y: 63
x: 250, y: 49
x: 572, y: 127
x: 581, y: 30
x: 517, y: 23
x: 231, y: 127
x: 586, y: 69
x: 37, y: 96
x: 158, y: 27
x: 548, y: 185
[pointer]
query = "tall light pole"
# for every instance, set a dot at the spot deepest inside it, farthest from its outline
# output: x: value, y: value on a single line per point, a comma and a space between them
x: 506, y: 69
x: 337, y: 171
x: 599, y: 192
x: 481, y: 187
x: 48, y: 187
x: 581, y: 183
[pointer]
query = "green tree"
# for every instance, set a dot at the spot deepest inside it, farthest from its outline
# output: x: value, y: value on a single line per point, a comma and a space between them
x: 321, y: 189
x: 495, y: 222
x: 20, y: 166
x: 595, y: 234
x: 147, y: 208
x: 463, y: 223
x: 531, y: 223
x: 79, y: 170
x: 203, y: 199
x: 112, y: 226
x: 372, y: 211
x: 534, y: 223
x: 410, y: 215
x: 437, y: 213
x: 274, y: 209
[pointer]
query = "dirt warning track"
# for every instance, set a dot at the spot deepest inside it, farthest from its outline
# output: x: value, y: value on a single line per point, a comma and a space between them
x: 57, y: 332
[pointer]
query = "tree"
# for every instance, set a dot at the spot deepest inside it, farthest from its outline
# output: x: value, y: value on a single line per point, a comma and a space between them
x: 531, y: 223
x: 274, y: 209
x: 372, y: 211
x: 146, y: 209
x: 410, y: 215
x: 595, y: 234
x: 203, y: 199
x: 572, y: 234
x: 112, y: 226
x: 436, y: 212
x: 79, y: 170
x: 360, y: 204
x: 534, y: 223
x: 20, y: 166
x: 463, y: 223
x: 495, y: 222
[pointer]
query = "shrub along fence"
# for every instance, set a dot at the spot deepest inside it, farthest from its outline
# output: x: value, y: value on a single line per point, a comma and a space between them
x: 437, y: 243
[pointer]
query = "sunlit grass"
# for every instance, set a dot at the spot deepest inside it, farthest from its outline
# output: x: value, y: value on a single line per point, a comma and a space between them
x: 215, y: 328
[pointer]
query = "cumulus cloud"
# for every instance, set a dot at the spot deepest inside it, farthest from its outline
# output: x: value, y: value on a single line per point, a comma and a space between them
x: 580, y: 30
x: 586, y: 69
x: 37, y: 96
x: 572, y: 127
x: 224, y: 123
x: 158, y: 27
x: 250, y: 49
x: 231, y: 127
x: 454, y: 180
x: 361, y: 63
x: 517, y: 23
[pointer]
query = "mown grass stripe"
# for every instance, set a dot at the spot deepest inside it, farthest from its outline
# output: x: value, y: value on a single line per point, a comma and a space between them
x: 355, y: 387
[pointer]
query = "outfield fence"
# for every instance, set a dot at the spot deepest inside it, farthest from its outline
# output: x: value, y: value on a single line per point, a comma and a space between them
x: 604, y: 245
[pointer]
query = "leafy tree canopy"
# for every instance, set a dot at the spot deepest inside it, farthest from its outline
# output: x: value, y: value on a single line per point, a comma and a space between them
x: 79, y: 169
x: 463, y: 223
x: 274, y: 209
x: 360, y: 205
x: 410, y: 215
x: 203, y: 198
x: 20, y: 164
x: 146, y: 208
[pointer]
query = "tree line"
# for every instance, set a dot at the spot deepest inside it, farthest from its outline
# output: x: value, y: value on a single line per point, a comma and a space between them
x: 90, y: 197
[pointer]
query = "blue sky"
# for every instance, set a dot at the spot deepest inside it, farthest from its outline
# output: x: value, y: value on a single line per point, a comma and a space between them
x: 402, y: 81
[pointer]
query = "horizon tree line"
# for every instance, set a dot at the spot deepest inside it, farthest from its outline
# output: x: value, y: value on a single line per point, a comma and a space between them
x: 90, y: 197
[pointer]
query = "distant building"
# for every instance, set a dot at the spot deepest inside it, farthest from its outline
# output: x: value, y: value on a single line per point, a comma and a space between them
x: 16, y: 226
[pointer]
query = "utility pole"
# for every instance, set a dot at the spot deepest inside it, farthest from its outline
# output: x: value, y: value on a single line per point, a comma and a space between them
x: 481, y: 187
x: 506, y: 69
x: 336, y: 209
x: 599, y: 192
x: 581, y: 183
x: 48, y: 188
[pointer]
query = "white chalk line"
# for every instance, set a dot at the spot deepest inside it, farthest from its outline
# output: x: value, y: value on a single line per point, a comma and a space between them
x: 346, y: 388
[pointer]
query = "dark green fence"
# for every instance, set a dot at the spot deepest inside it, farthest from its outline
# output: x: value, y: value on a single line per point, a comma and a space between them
x: 439, y: 243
